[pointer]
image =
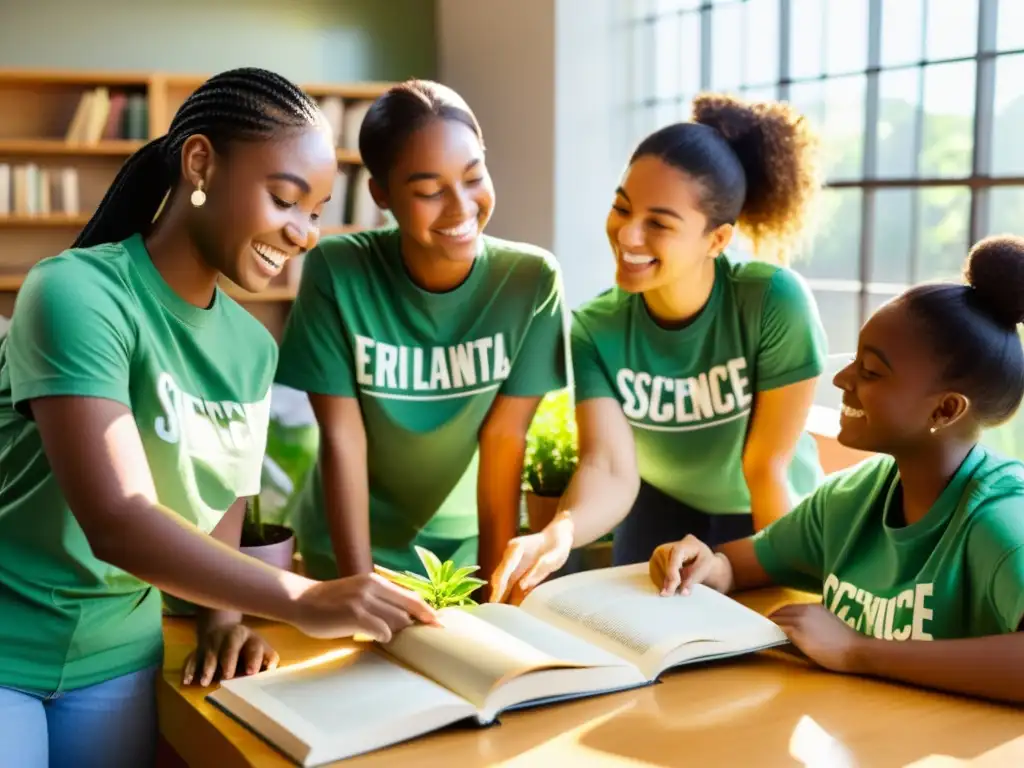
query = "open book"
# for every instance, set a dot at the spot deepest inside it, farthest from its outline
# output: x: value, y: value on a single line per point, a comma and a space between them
x: 579, y: 635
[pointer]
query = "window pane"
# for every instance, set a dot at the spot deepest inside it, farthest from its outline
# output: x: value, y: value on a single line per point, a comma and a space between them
x: 902, y: 31
x: 892, y: 243
x: 1008, y: 438
x: 1010, y: 29
x: 642, y: 57
x: 1005, y: 210
x: 834, y: 252
x: 667, y: 112
x: 840, y: 314
x: 727, y: 47
x: 826, y: 393
x: 952, y: 29
x: 761, y: 42
x: 689, y: 52
x: 668, y: 6
x: 667, y: 72
x: 806, y: 33
x: 944, y: 220
x: 878, y: 299
x: 847, y: 31
x: 1007, y: 148
x: 762, y: 93
x: 948, y: 120
x: 899, y: 101
x: 836, y: 109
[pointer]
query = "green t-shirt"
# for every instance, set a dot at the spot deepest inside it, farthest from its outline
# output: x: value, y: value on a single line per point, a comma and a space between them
x: 425, y: 367
x: 101, y: 322
x: 688, y: 392
x: 957, y: 572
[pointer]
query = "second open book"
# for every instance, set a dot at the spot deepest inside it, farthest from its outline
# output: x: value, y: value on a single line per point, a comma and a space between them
x: 588, y: 633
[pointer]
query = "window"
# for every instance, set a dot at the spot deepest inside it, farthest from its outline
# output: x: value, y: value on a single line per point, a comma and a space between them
x: 916, y: 102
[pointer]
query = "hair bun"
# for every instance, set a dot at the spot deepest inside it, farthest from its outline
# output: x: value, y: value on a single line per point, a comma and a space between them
x: 995, y: 270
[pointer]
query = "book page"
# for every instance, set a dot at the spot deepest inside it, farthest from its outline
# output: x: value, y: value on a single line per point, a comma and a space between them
x: 468, y: 655
x: 621, y: 610
x: 547, y: 638
x: 339, y: 707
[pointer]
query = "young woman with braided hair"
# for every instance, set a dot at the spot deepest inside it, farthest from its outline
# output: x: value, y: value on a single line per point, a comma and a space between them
x: 695, y: 374
x: 134, y: 401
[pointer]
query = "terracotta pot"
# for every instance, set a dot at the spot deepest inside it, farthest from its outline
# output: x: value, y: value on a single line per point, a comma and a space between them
x: 280, y: 552
x: 540, y: 510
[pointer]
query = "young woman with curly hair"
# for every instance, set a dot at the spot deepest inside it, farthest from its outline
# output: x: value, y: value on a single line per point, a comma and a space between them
x: 695, y: 373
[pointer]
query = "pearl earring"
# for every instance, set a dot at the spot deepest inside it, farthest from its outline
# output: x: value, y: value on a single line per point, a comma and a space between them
x: 933, y: 430
x: 198, y: 196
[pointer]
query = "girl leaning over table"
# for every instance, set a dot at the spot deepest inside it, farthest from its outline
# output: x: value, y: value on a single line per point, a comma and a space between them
x: 924, y: 543
x: 425, y: 349
x: 694, y: 375
x: 133, y: 419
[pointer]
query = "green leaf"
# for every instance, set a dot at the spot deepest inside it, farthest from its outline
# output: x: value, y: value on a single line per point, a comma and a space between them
x: 466, y: 588
x: 411, y: 581
x: 446, y: 570
x: 462, y: 573
x: 430, y: 562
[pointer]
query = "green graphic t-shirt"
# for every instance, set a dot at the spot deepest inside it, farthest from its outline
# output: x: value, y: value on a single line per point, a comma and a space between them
x: 426, y: 368
x: 101, y: 322
x: 688, y: 392
x: 957, y: 572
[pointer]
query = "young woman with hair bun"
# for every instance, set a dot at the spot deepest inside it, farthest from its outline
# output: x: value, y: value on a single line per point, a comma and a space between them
x: 694, y: 375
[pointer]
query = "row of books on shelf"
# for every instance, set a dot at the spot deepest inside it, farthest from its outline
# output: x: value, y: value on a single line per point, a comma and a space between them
x: 29, y: 190
x: 104, y: 115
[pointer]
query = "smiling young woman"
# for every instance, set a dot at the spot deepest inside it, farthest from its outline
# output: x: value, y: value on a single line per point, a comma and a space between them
x: 425, y: 349
x: 923, y: 543
x: 695, y: 374
x: 134, y: 398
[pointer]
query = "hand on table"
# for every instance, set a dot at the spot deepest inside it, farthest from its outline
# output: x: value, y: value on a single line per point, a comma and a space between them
x: 367, y: 604
x: 231, y: 649
x: 530, y: 559
x: 820, y: 635
x: 678, y: 565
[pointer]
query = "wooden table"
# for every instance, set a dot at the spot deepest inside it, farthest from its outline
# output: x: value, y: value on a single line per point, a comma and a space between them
x: 756, y: 711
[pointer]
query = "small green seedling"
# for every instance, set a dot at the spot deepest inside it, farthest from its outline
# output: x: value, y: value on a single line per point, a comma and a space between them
x: 444, y: 587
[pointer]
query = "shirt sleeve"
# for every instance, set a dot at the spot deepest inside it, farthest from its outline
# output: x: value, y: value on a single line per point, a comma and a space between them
x: 316, y: 351
x: 793, y: 345
x: 995, y: 558
x: 791, y: 549
x: 589, y: 379
x: 70, y: 336
x: 541, y: 365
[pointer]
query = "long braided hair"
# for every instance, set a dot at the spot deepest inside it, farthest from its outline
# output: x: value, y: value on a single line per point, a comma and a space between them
x: 240, y: 104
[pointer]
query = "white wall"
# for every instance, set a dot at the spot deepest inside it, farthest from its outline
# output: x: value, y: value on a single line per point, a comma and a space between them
x: 547, y: 80
x: 499, y: 55
x: 307, y: 40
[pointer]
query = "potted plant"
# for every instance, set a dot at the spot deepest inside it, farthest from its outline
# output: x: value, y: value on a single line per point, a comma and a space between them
x: 444, y: 586
x: 272, y: 543
x: 551, y: 457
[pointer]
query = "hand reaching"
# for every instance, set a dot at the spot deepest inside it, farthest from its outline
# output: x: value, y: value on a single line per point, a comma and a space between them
x: 366, y: 604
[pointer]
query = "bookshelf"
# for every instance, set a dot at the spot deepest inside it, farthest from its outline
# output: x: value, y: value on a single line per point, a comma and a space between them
x: 65, y: 133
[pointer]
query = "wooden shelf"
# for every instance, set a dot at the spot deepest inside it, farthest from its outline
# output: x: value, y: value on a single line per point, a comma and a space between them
x: 40, y: 220
x: 43, y: 147
x: 36, y: 112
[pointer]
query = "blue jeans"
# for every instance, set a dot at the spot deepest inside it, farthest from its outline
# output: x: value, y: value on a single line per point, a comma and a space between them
x: 108, y: 725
